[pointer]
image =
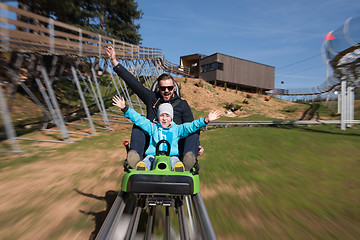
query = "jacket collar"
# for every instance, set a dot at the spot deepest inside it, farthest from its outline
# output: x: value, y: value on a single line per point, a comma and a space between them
x: 159, y: 124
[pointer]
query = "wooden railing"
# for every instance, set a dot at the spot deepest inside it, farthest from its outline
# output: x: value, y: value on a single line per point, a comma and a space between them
x: 49, y: 36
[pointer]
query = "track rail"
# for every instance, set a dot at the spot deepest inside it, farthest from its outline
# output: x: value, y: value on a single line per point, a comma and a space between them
x: 285, y: 122
x: 123, y: 220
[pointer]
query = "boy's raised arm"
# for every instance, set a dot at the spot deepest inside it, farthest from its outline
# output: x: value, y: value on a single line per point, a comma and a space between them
x: 188, y: 128
x: 212, y: 116
x: 119, y: 102
x: 134, y: 116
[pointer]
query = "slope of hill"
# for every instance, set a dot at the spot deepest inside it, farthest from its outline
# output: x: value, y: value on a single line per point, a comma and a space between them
x: 203, y: 96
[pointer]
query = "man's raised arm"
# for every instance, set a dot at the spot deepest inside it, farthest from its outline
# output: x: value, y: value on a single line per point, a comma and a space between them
x: 130, y: 80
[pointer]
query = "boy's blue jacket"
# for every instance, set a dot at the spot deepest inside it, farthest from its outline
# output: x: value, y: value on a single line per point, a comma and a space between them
x: 172, y: 134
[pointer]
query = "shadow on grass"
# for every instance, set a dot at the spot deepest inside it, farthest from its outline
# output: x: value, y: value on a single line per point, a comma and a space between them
x: 326, y: 131
x: 99, y: 217
x: 310, y: 112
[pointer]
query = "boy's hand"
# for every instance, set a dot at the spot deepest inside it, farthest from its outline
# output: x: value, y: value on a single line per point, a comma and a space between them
x: 112, y: 55
x: 213, y: 115
x: 119, y: 102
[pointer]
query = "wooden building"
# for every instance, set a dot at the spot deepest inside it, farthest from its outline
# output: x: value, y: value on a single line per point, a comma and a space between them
x: 244, y: 74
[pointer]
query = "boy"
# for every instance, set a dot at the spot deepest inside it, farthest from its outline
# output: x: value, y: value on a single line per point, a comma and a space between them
x: 165, y: 129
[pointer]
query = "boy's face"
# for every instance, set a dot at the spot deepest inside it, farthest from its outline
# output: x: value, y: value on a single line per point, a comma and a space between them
x: 165, y: 120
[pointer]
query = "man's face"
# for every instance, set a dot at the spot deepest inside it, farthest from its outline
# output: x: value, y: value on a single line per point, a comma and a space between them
x: 165, y: 120
x: 166, y: 88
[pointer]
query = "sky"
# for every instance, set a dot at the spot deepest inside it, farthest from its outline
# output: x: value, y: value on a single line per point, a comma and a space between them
x: 285, y: 34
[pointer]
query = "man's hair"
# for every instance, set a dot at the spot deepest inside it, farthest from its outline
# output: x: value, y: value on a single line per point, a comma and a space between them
x: 165, y: 76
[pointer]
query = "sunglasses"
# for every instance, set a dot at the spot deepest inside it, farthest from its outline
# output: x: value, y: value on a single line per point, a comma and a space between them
x: 170, y: 88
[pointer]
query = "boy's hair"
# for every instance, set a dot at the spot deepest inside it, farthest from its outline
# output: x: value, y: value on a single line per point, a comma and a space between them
x: 166, y: 108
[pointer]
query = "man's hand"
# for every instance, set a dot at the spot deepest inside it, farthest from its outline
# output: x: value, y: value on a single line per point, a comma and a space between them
x: 213, y: 115
x: 119, y: 102
x: 112, y: 55
x: 201, y: 149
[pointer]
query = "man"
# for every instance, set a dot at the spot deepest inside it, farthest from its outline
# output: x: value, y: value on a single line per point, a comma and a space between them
x: 166, y: 94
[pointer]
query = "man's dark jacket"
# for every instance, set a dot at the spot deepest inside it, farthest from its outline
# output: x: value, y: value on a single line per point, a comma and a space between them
x: 152, y: 100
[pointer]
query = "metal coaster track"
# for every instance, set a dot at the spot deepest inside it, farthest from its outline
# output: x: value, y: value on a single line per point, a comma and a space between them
x: 341, y: 53
x: 51, y: 37
x: 123, y: 220
x: 62, y: 52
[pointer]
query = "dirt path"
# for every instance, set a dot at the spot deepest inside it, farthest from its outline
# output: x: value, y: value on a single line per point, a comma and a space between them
x: 49, y: 198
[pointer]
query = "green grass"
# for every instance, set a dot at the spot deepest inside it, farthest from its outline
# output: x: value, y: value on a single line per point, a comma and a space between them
x: 305, y: 179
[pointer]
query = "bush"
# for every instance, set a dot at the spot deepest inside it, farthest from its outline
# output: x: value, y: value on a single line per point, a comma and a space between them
x: 233, y: 107
x: 199, y: 84
x: 289, y: 109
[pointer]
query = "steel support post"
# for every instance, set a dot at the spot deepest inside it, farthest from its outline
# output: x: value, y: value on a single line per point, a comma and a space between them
x: 69, y: 98
x: 126, y: 90
x: 352, y: 108
x: 83, y: 101
x: 46, y: 98
x: 350, y: 105
x: 103, y: 110
x: 5, y: 28
x: 54, y: 102
x: 116, y: 87
x: 150, y: 73
x: 343, y: 105
x: 9, y: 128
x: 137, y: 98
x: 91, y: 91
x: 16, y: 80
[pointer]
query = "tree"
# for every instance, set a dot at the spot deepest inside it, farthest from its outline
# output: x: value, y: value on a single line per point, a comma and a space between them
x: 112, y: 18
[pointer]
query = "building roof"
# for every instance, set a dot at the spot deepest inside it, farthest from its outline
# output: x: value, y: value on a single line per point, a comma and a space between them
x: 193, y: 56
x: 238, y: 58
